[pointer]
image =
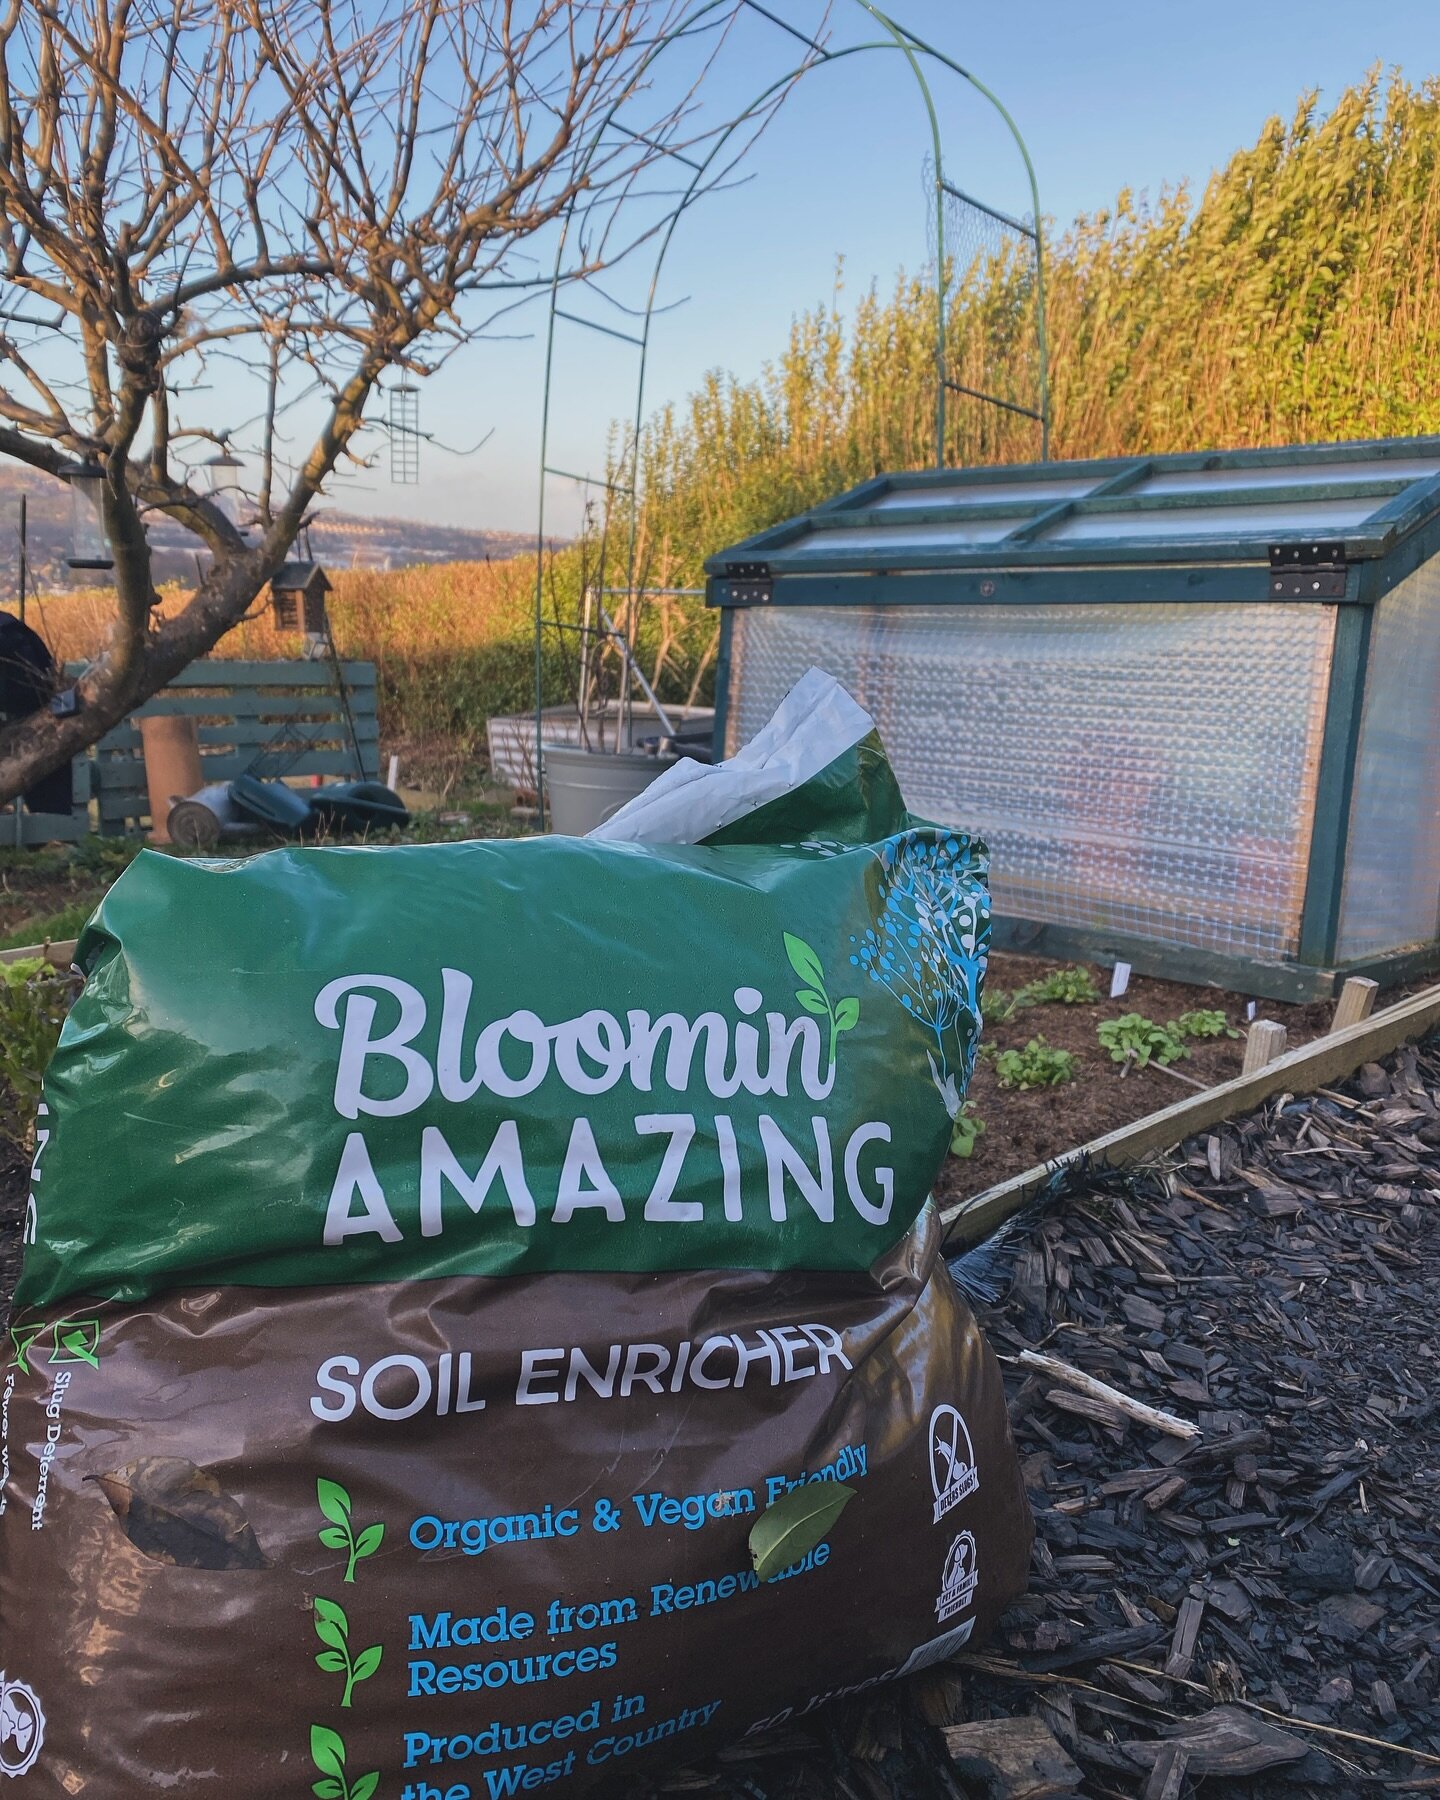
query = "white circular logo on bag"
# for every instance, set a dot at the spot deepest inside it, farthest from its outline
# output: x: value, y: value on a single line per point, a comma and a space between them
x: 22, y: 1726
x: 953, y: 1474
x: 957, y: 1585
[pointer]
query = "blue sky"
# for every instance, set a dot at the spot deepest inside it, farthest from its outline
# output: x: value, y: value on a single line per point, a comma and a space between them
x: 1113, y: 93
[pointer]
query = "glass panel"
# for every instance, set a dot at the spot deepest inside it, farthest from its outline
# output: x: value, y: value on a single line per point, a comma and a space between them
x: 1046, y: 490
x: 1308, y: 474
x: 1280, y: 520
x: 1145, y: 769
x: 1392, y: 870
x: 883, y: 538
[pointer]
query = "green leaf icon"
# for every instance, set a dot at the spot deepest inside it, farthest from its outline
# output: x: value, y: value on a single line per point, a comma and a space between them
x: 332, y: 1662
x: 847, y: 1014
x: 333, y: 1501
x: 78, y: 1346
x: 795, y: 1524
x: 327, y: 1750
x: 804, y: 961
x: 23, y: 1337
x: 365, y: 1786
x: 367, y: 1662
x: 328, y: 1790
x: 813, y: 1002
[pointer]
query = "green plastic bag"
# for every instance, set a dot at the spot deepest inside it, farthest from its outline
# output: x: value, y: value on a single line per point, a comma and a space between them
x: 443, y: 1255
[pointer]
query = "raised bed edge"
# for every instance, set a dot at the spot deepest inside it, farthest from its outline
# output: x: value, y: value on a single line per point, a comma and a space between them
x: 61, y: 952
x: 1313, y: 1065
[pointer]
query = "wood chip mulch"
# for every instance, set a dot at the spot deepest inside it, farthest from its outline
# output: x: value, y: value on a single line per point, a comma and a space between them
x: 1257, y: 1611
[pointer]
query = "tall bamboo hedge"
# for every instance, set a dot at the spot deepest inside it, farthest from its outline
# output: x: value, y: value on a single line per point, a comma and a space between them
x: 1297, y: 299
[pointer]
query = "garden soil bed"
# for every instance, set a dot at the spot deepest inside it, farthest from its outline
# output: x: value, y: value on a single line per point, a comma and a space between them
x: 1023, y: 1129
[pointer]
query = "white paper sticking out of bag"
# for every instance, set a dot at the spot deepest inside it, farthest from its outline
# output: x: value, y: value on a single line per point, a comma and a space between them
x: 815, y: 722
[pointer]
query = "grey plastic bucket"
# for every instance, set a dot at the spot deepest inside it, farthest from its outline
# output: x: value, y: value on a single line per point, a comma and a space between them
x: 584, y: 787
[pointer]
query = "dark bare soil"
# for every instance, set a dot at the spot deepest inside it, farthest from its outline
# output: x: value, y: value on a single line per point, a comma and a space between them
x: 1024, y: 1129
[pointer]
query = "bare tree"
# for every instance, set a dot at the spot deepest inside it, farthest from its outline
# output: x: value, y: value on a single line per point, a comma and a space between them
x: 323, y: 189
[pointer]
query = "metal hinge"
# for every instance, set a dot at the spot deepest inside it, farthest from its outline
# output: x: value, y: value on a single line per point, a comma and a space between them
x: 1307, y: 571
x: 745, y: 584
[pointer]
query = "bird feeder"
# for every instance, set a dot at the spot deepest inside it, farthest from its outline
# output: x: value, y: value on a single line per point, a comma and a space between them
x: 1189, y: 701
x: 89, y: 541
x: 220, y: 477
x: 297, y: 598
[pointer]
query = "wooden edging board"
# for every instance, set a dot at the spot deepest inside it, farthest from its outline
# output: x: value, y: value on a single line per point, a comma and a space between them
x: 61, y: 952
x: 1313, y: 1065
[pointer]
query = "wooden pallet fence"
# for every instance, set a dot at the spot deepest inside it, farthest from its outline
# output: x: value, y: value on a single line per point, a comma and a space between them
x: 61, y: 953
x: 267, y: 718
x: 51, y: 828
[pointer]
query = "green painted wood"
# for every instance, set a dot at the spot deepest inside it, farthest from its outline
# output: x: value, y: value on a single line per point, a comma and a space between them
x: 984, y: 475
x: 43, y: 828
x: 883, y: 518
x: 1197, y: 552
x: 225, y: 676
x: 122, y: 745
x: 270, y: 713
x: 986, y: 585
x: 1330, y: 829
x: 1186, y: 462
x: 723, y: 657
x: 1394, y: 967
x: 49, y: 828
x: 858, y: 496
x: 1120, y: 482
x: 215, y: 705
x: 1411, y: 550
x: 1169, y: 962
x: 1286, y: 493
x: 1412, y: 504
x: 1403, y: 504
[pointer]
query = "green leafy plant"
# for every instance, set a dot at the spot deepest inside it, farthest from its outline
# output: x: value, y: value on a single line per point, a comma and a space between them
x: 842, y: 1015
x: 1062, y: 987
x: 792, y: 1527
x: 327, y: 1752
x: 967, y: 1127
x: 333, y: 1630
x: 34, y: 998
x: 1038, y: 1065
x: 1134, y: 1040
x: 334, y: 1502
x: 998, y: 1004
x: 1203, y: 1023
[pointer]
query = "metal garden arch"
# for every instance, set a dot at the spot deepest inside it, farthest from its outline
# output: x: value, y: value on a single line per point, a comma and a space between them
x: 917, y: 53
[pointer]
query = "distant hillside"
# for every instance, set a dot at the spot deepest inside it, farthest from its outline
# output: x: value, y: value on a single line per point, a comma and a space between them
x: 340, y: 540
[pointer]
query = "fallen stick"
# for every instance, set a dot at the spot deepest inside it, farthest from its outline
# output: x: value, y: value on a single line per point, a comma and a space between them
x: 1100, y: 1390
x: 1179, y: 1075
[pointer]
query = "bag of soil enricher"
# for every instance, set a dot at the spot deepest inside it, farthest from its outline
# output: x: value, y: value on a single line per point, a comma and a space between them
x: 444, y: 1261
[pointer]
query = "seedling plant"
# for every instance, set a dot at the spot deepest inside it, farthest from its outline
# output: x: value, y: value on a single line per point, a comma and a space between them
x: 1038, y: 1065
x: 1204, y: 1023
x: 968, y: 1126
x: 1061, y: 987
x: 1135, y: 1041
